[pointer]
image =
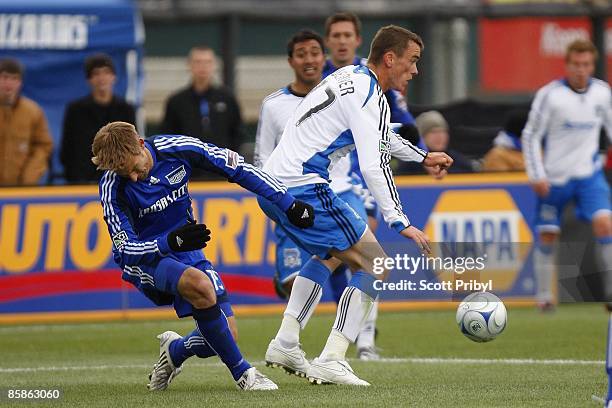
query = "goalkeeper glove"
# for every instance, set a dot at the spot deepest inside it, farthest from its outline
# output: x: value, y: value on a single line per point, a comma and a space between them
x: 301, y: 214
x: 188, y: 238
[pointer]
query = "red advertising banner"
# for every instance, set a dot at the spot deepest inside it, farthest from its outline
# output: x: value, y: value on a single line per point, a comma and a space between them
x: 522, y: 54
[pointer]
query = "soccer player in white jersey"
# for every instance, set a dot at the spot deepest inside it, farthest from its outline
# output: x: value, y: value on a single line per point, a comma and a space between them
x: 346, y: 111
x: 306, y: 57
x: 568, y: 115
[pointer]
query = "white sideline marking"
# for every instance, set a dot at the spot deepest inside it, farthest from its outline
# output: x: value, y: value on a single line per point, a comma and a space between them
x: 413, y: 360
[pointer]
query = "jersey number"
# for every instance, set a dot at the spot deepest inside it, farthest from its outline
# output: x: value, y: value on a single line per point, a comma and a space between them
x: 331, y: 97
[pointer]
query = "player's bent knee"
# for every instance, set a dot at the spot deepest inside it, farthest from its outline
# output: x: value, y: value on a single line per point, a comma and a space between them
x: 602, y: 226
x: 195, y: 286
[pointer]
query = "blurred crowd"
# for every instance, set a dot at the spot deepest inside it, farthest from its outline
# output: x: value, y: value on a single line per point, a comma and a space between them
x: 211, y: 113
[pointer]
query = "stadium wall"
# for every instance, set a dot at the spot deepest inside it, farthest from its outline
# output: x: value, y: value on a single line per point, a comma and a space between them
x: 56, y: 257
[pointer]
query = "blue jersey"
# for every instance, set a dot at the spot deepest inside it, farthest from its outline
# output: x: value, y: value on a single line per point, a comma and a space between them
x: 140, y: 214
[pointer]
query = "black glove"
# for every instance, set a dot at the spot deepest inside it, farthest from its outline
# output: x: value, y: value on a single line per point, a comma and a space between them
x: 301, y: 214
x: 189, y: 238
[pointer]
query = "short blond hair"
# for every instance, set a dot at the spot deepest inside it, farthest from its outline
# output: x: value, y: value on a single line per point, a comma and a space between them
x: 579, y: 46
x: 114, y: 144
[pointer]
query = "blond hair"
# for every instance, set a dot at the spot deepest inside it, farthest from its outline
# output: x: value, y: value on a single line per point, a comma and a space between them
x: 392, y: 38
x: 114, y: 144
x: 579, y: 46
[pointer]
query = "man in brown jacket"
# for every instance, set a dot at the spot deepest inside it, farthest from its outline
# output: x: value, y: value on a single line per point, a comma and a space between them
x: 25, y: 142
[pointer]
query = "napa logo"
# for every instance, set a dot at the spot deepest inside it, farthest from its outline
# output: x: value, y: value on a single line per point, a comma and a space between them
x: 481, y: 223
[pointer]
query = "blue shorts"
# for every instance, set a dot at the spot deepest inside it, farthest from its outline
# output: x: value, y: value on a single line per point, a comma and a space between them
x: 159, y: 283
x: 336, y: 226
x: 290, y: 257
x: 591, y: 195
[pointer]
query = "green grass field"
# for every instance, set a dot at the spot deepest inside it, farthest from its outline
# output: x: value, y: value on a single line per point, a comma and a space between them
x: 106, y: 365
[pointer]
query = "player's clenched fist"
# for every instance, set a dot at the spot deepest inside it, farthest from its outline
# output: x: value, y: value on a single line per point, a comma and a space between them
x: 301, y: 214
x: 441, y: 159
x: 189, y: 237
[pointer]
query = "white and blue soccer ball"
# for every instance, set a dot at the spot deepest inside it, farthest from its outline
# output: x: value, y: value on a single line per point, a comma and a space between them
x: 481, y: 316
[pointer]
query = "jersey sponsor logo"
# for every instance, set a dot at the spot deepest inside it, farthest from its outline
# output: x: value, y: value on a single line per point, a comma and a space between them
x: 481, y: 223
x: 55, y: 31
x: 177, y: 175
x: 232, y: 159
x: 384, y: 146
x: 164, y: 202
x: 119, y: 239
x: 575, y: 125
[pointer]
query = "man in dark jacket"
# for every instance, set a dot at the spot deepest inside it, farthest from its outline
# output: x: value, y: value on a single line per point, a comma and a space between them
x: 83, y: 118
x: 202, y: 110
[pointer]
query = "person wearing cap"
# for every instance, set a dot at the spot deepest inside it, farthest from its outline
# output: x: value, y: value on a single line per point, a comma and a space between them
x: 25, y: 142
x: 433, y: 129
x: 83, y: 117
x: 506, y: 153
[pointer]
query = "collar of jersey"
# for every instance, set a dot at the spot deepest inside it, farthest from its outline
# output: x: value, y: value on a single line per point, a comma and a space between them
x: 566, y: 83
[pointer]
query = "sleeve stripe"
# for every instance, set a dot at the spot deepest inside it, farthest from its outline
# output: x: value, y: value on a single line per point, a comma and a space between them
x: 413, y: 147
x: 173, y: 144
x: 107, y: 204
x: 385, y: 160
x: 130, y: 248
x: 269, y: 180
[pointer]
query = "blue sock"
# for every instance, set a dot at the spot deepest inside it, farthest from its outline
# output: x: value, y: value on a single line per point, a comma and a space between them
x: 190, y: 345
x: 338, y: 280
x: 212, y: 326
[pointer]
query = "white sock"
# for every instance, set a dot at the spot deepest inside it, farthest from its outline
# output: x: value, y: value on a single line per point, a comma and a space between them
x: 289, y: 333
x: 544, y: 263
x: 366, y: 335
x: 353, y: 308
x: 304, y: 298
x: 335, y: 348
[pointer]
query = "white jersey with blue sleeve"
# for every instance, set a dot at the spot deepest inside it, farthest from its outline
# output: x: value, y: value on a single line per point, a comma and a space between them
x: 276, y: 110
x: 347, y: 110
x: 561, y: 137
x: 140, y: 214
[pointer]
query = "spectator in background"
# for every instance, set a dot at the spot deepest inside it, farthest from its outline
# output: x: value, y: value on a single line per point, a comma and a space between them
x: 433, y: 128
x: 85, y: 116
x: 506, y: 153
x: 25, y: 142
x: 202, y: 110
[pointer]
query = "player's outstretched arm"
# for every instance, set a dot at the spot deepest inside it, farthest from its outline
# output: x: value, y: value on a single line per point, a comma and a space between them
x: 232, y: 166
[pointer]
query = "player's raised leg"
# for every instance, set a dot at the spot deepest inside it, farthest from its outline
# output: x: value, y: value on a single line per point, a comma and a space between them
x: 354, y: 307
x: 284, y: 350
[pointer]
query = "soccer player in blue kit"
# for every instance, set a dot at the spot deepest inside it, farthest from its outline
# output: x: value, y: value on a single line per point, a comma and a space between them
x: 157, y: 242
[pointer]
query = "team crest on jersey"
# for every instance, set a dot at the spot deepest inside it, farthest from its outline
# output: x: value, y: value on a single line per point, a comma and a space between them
x: 292, y: 257
x: 119, y: 239
x: 384, y: 146
x: 177, y: 175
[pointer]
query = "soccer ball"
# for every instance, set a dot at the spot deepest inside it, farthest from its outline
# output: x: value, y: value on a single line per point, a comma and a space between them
x: 481, y: 316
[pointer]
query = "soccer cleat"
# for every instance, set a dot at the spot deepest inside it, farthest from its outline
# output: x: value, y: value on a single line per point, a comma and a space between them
x: 293, y: 360
x: 333, y: 372
x: 368, y: 354
x: 253, y: 380
x: 164, y: 370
